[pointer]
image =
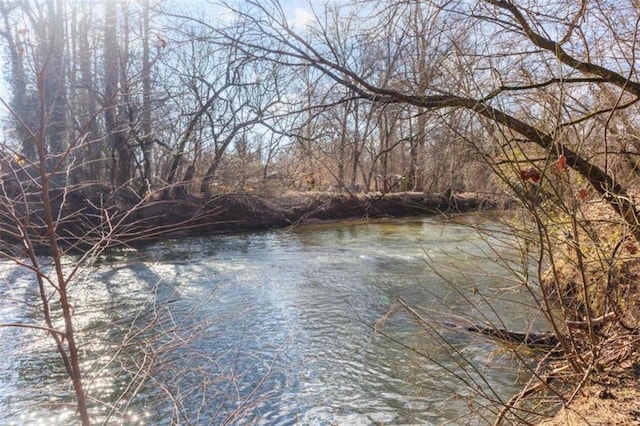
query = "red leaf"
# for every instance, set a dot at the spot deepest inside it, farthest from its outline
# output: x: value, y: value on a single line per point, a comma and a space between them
x: 631, y: 248
x: 583, y: 194
x: 535, y: 176
x: 523, y: 175
x: 530, y: 173
x: 561, y: 164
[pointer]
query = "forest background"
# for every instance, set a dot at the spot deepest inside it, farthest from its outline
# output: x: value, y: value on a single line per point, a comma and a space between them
x: 115, y: 110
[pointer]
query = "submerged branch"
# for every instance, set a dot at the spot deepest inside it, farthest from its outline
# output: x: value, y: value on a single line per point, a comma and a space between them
x: 546, y: 340
x: 537, y: 340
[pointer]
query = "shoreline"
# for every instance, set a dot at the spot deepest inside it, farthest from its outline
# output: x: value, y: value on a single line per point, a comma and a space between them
x: 93, y: 215
x: 243, y: 212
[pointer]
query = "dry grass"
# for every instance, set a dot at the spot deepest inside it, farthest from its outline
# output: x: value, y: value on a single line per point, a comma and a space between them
x: 610, y: 395
x: 602, y: 405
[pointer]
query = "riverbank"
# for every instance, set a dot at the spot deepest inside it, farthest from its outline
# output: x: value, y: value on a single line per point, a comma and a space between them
x: 91, y: 215
x: 241, y: 212
x: 604, y: 389
x: 602, y: 404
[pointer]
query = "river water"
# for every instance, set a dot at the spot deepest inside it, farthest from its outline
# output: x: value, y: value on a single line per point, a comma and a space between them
x: 284, y: 327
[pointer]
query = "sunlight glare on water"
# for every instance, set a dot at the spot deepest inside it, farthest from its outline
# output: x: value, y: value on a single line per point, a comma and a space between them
x: 265, y: 328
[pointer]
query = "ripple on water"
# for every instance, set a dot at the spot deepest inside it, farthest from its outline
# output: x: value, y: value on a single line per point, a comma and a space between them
x: 285, y: 319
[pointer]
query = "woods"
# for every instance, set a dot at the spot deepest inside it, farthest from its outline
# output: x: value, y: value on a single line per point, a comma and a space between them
x: 220, y: 105
x: 129, y: 99
x: 116, y: 108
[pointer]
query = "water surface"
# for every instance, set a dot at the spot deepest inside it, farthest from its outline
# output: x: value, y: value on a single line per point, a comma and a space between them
x: 286, y: 327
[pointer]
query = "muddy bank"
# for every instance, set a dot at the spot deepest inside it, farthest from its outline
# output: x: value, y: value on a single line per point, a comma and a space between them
x: 236, y: 212
x: 92, y: 215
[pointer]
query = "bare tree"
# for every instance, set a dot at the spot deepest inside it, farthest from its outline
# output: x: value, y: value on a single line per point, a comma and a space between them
x: 268, y: 36
x: 147, y: 128
x: 51, y: 207
x: 543, y: 93
x: 116, y: 129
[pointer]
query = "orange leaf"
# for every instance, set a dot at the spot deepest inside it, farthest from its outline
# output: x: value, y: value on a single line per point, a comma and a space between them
x: 561, y: 164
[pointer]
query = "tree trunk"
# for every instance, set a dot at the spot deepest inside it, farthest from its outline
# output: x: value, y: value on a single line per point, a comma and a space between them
x: 211, y: 172
x: 122, y: 158
x: 93, y: 167
x: 21, y: 105
x: 54, y: 80
x: 147, y: 137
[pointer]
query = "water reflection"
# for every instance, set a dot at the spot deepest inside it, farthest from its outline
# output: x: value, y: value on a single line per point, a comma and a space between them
x: 271, y: 328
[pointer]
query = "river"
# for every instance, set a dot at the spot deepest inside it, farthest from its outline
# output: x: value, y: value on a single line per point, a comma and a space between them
x: 297, y: 326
